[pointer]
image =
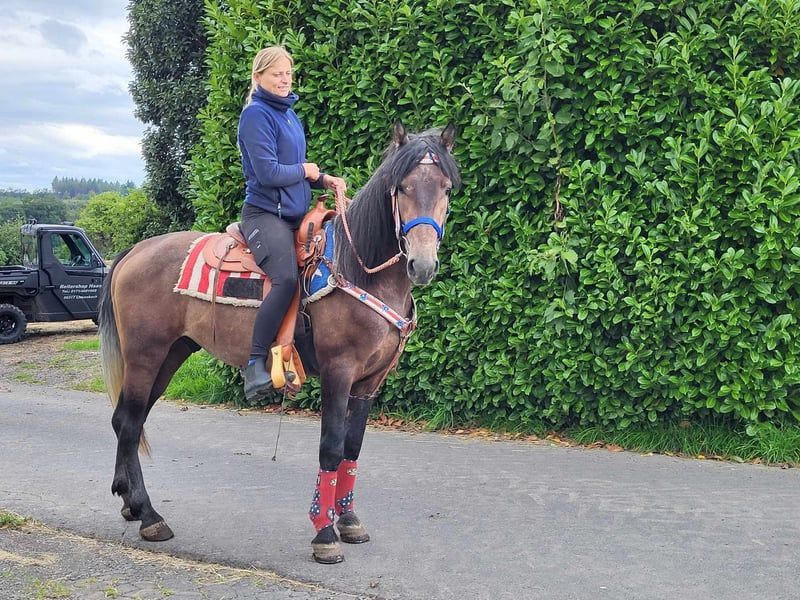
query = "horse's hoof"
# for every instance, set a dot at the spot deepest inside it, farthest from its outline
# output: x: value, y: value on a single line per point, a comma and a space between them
x: 157, y: 532
x: 327, y: 554
x: 351, y: 531
x: 127, y: 514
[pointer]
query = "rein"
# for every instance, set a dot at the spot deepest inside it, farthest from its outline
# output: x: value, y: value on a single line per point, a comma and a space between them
x: 341, y: 208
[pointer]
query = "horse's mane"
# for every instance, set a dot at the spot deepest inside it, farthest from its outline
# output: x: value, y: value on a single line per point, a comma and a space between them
x: 369, y: 215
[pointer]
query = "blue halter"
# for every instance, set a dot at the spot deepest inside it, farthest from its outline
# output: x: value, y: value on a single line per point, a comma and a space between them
x: 430, y: 158
x: 423, y: 221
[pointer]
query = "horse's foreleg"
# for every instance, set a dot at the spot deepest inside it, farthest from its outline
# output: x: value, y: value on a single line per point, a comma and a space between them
x: 128, y: 421
x: 335, y: 391
x: 350, y: 528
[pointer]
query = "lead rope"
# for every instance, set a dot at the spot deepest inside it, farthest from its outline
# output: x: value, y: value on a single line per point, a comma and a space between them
x: 341, y: 208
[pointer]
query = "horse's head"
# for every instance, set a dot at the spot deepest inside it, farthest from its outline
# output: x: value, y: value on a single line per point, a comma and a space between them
x: 404, y: 203
x: 423, y: 179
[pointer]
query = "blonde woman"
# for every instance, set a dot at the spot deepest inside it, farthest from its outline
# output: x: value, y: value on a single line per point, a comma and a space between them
x: 278, y: 183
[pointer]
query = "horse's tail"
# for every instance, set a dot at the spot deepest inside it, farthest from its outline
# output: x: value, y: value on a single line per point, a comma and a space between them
x: 110, y: 352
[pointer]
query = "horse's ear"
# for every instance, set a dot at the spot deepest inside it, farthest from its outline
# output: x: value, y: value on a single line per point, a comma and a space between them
x: 449, y: 137
x: 400, y: 134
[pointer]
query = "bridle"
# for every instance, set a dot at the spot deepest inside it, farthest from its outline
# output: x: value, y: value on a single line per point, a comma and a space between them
x: 400, y: 228
x: 405, y: 325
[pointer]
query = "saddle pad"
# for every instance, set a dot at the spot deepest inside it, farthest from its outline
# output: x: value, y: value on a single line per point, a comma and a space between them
x: 321, y: 282
x: 197, y: 277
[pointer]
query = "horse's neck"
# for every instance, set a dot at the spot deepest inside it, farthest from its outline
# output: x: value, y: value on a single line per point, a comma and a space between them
x: 393, y: 286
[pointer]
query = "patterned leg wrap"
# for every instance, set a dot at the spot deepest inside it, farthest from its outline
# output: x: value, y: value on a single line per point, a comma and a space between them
x: 321, y: 512
x: 345, y: 482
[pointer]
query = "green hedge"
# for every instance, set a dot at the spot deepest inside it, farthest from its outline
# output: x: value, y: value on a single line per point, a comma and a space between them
x: 625, y: 248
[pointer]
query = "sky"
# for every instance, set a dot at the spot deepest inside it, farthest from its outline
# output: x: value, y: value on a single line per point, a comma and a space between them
x: 65, y: 109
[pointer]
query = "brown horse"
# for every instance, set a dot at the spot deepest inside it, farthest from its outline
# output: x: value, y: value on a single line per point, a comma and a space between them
x: 147, y: 331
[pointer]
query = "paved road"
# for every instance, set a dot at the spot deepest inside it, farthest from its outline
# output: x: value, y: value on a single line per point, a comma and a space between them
x: 450, y: 517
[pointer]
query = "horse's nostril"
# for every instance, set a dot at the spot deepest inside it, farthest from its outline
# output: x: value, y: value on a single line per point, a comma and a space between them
x: 411, y: 265
x: 436, y: 266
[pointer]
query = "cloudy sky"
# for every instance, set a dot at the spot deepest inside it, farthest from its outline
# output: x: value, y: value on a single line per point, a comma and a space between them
x: 65, y: 109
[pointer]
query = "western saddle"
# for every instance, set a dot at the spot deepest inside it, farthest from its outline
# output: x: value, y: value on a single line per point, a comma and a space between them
x: 229, y: 252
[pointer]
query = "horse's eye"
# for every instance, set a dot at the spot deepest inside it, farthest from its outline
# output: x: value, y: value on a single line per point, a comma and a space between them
x: 401, y: 189
x: 448, y: 191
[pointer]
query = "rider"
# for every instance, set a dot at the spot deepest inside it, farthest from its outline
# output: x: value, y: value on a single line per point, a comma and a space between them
x: 277, y: 196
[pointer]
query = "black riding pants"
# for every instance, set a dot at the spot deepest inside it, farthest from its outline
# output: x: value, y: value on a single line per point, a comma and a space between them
x: 271, y: 240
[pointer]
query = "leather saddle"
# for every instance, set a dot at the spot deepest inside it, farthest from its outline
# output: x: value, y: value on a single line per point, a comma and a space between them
x: 229, y: 252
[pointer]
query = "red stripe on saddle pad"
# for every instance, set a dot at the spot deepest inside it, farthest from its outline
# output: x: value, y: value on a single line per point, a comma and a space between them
x: 197, y: 277
x: 204, y: 285
x: 190, y: 262
x: 221, y: 279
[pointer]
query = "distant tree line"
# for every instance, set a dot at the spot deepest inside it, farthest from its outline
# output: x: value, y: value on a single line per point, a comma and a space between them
x: 45, y: 207
x: 114, y: 220
x: 72, y: 186
x: 52, y: 206
x: 17, y: 207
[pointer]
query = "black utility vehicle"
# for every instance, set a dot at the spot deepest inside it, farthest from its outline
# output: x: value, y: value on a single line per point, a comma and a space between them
x: 59, y: 279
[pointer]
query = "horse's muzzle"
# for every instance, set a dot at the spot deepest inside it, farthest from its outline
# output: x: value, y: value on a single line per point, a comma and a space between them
x: 421, y: 271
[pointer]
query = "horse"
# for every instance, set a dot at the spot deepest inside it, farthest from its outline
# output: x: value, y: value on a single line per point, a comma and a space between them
x: 386, y: 241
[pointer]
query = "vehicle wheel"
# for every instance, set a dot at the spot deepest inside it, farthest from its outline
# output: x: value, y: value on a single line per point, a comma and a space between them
x: 12, y: 323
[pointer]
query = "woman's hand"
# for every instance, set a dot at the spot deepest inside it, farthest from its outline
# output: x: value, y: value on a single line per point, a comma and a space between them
x: 311, y: 171
x: 337, y: 184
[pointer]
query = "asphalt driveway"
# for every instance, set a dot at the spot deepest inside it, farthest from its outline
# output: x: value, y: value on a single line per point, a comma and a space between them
x: 450, y: 517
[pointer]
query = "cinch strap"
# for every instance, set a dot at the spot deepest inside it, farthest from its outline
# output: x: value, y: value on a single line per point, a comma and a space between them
x: 423, y: 221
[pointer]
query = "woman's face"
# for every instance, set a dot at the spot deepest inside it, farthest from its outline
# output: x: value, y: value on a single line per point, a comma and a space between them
x: 277, y: 79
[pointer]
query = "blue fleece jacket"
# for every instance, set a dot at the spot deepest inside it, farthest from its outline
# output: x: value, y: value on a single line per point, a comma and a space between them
x: 273, y: 147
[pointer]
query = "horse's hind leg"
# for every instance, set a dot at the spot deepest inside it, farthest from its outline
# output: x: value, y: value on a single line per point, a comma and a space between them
x: 178, y: 354
x: 128, y: 420
x: 351, y: 530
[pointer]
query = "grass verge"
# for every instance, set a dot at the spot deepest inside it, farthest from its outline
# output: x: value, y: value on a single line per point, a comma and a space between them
x: 46, y: 590
x: 198, y: 382
x: 766, y: 444
x: 83, y: 345
x: 95, y: 384
x: 25, y: 377
x: 716, y: 439
x: 10, y: 520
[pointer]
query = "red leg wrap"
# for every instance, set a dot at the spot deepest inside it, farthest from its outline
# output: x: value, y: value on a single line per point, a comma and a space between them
x: 322, y: 511
x: 345, y: 482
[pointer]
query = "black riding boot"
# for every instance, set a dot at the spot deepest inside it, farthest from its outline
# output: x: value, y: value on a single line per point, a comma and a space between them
x: 257, y: 380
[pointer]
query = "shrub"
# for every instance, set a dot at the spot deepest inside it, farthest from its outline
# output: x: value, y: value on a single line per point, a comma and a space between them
x: 115, y: 222
x: 625, y: 247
